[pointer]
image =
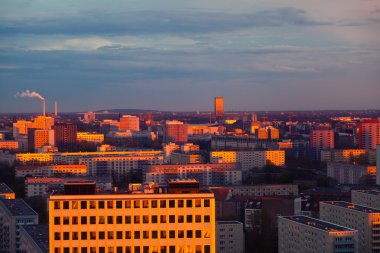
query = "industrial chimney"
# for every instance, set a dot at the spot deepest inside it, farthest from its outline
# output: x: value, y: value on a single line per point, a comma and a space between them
x: 43, y: 108
x: 55, y: 108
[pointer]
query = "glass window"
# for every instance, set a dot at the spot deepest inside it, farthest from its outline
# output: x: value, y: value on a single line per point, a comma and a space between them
x: 101, y: 204
x: 145, y: 219
x: 83, y: 220
x: 163, y: 249
x: 74, y: 220
x: 110, y: 204
x: 128, y: 249
x: 119, y: 204
x: 180, y: 219
x: 207, y: 249
x: 206, y: 203
x: 198, y: 233
x: 83, y: 205
x: 93, y: 235
x: 83, y: 250
x: 57, y: 220
x: 162, y: 203
x: 145, y: 203
x: 110, y: 220
x: 102, y: 220
x: 171, y: 233
x: 110, y: 234
x: 180, y: 203
x: 181, y: 234
x: 127, y: 234
x: 207, y: 218
x: 66, y: 205
x: 154, y: 219
x: 57, y: 236
x: 102, y: 235
x: 127, y: 219
x: 92, y: 219
x: 136, y: 204
x: 163, y: 218
x: 146, y: 234
x: 171, y: 218
x: 137, y: 235
x: 171, y: 203
x: 74, y: 205
x: 92, y: 204
x: 171, y: 249
x: 119, y: 235
x: 119, y: 219
x: 198, y: 218
x: 163, y: 234
x: 189, y: 203
x: 137, y: 249
x: 153, y: 203
x: 154, y: 234
x: 66, y: 220
x: 189, y: 218
x: 136, y: 219
x: 189, y: 234
x: 198, y: 203
x: 83, y: 235
x: 145, y: 249
x: 57, y: 205
x: 66, y: 236
x: 127, y: 204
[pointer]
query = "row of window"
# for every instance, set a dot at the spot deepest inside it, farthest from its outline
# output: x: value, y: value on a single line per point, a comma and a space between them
x: 137, y: 219
x: 130, y: 249
x: 102, y: 235
x: 111, y: 204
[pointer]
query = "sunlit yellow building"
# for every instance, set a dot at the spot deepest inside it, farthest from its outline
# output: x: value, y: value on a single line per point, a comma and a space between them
x: 10, y: 145
x: 348, y: 155
x: 90, y: 137
x: 219, y: 106
x: 145, y: 220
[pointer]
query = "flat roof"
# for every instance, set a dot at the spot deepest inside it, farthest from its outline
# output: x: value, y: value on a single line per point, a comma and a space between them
x: 40, y: 235
x: 18, y: 207
x: 348, y: 205
x: 318, y: 224
x: 371, y: 192
x: 231, y: 222
x: 5, y: 188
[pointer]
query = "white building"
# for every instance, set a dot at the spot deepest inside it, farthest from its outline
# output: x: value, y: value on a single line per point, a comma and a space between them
x: 346, y: 173
x: 265, y: 190
x: 34, y: 239
x: 364, y: 219
x: 369, y: 198
x: 229, y: 237
x: 300, y: 234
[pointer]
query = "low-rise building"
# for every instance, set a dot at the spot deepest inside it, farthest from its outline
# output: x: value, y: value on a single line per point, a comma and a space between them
x: 299, y: 234
x: 50, y: 170
x: 265, y: 190
x: 346, y: 173
x: 90, y: 137
x: 6, y: 192
x: 229, y: 237
x: 369, y: 198
x: 9, y: 145
x: 348, y: 155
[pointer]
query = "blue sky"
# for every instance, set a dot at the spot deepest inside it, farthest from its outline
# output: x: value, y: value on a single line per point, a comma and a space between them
x: 178, y: 55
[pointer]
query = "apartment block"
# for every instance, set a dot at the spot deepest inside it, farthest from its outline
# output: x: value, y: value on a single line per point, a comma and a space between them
x: 34, y: 239
x: 51, y: 170
x: 229, y: 237
x: 220, y: 174
x: 348, y: 155
x: 90, y: 137
x: 180, y: 218
x: 364, y: 219
x: 13, y: 214
x: 6, y: 192
x: 346, y: 173
x: 265, y: 190
x: 249, y: 159
x: 300, y: 234
x: 369, y: 198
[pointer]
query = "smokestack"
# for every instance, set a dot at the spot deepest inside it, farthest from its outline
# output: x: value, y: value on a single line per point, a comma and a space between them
x: 43, y: 108
x: 55, y: 108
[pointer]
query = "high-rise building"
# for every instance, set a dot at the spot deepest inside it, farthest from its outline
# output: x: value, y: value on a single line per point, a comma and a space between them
x: 128, y: 122
x: 378, y: 164
x: 362, y: 218
x: 369, y: 134
x: 369, y: 198
x: 21, y: 128
x: 219, y: 107
x: 37, y: 138
x: 13, y: 214
x: 175, y: 131
x: 321, y: 138
x: 299, y: 234
x: 65, y: 136
x: 148, y: 219
x: 44, y: 122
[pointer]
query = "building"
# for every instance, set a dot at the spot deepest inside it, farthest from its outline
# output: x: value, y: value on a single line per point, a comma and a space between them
x: 207, y: 174
x: 34, y: 239
x: 250, y: 159
x: 321, y: 138
x: 128, y: 122
x: 13, y: 214
x: 9, y: 145
x: 65, y: 136
x: 89, y: 117
x: 229, y: 237
x: 175, y: 131
x: 218, y: 107
x: 200, y: 129
x: 6, y: 192
x: 378, y: 164
x: 349, y: 156
x: 264, y: 190
x: 180, y: 218
x: 43, y: 122
x: 369, y: 134
x: 364, y: 219
x: 346, y: 173
x: 299, y: 234
x: 51, y: 170
x: 37, y: 138
x: 369, y: 198
x: 90, y: 137
x: 21, y: 128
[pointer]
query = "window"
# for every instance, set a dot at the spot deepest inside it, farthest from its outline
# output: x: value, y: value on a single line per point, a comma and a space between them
x: 119, y: 235
x: 93, y: 235
x: 66, y: 205
x: 57, y: 220
x: 162, y: 203
x: 127, y: 219
x: 180, y: 219
x: 154, y: 218
x: 83, y: 250
x: 137, y: 249
x: 146, y: 234
x: 128, y: 249
x: 189, y: 203
x: 153, y: 204
x: 198, y: 234
x: 207, y: 249
x: 66, y: 236
x: 75, y: 235
x: 189, y: 218
x: 102, y: 236
x: 145, y: 203
x: 110, y: 204
x: 110, y: 235
x: 189, y: 234
x: 136, y: 219
x: 101, y: 204
x: 206, y: 203
x: 145, y: 219
x: 137, y: 235
x: 74, y: 205
x: 171, y: 234
x: 119, y: 219
x: 57, y: 236
x: 92, y: 204
x: 127, y: 204
x: 83, y: 205
x: 136, y: 204
x: 180, y: 203
x: 92, y: 219
x: 74, y: 220
x: 207, y: 218
x: 102, y: 250
x: 181, y: 234
x: 171, y: 203
x: 163, y: 218
x: 110, y: 220
x: 145, y: 249
x: 163, y: 249
x: 163, y: 234
x: 57, y: 205
x: 171, y: 249
x: 83, y: 220
x: 198, y: 218
x: 154, y: 234
x: 83, y: 235
x: 171, y: 218
x: 197, y: 203
x: 119, y: 204
x: 102, y: 220
x: 127, y: 234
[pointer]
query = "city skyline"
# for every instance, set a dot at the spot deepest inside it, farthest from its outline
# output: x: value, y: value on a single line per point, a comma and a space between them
x: 177, y: 56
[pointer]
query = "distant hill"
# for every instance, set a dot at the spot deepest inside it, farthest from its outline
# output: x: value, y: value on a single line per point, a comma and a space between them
x: 125, y: 111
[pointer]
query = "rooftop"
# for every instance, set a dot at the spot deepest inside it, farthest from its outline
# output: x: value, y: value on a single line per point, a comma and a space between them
x: 371, y: 192
x: 318, y: 224
x: 17, y: 207
x: 40, y: 234
x: 229, y: 222
x: 5, y: 188
x: 352, y: 206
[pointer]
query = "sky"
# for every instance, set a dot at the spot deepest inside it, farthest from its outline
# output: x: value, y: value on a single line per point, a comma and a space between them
x: 178, y: 55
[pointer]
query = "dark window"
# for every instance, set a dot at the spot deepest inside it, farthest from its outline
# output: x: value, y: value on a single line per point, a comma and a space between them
x: 162, y: 203
x: 83, y: 220
x: 101, y: 204
x: 171, y: 218
x: 75, y: 235
x: 163, y: 234
x: 189, y: 203
x: 119, y: 204
x: 181, y: 219
x: 66, y: 205
x: 127, y: 234
x: 66, y: 236
x: 146, y: 234
x: 171, y: 203
x: 119, y: 219
x: 110, y: 204
x: 92, y: 219
x: 83, y: 250
x: 189, y: 234
x: 171, y: 234
x: 171, y: 249
x: 180, y: 203
x: 198, y: 233
x: 127, y: 204
x: 207, y: 218
x: 206, y: 203
x: 83, y: 235
x: 110, y: 220
x: 102, y: 235
x: 154, y: 234
x: 181, y: 234
x: 83, y: 205
x: 189, y: 218
x: 153, y: 204
x: 57, y: 220
x: 154, y: 219
x: 207, y: 249
x: 137, y: 235
x: 119, y: 235
x: 127, y: 219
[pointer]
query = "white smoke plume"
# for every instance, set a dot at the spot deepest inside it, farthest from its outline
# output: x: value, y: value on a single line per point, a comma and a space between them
x: 29, y: 94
